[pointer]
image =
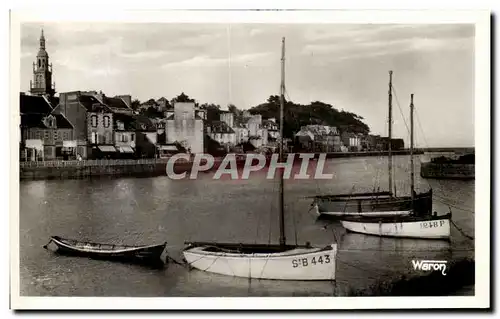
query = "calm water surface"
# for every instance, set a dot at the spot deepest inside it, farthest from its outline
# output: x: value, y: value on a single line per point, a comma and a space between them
x: 154, y: 210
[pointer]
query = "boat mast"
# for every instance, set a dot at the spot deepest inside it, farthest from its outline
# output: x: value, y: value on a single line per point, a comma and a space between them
x: 411, y: 152
x: 390, y: 133
x: 282, y: 105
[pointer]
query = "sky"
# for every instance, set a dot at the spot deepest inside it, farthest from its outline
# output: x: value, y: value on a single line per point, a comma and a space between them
x: 345, y: 65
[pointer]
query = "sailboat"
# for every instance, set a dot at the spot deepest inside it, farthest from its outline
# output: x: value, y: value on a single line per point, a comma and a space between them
x: 374, y: 204
x: 266, y: 261
x: 416, y: 225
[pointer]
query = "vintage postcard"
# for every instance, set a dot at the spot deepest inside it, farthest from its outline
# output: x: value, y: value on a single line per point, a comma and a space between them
x: 323, y: 157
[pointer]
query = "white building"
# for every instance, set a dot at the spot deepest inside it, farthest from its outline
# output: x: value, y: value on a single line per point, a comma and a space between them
x: 185, y: 126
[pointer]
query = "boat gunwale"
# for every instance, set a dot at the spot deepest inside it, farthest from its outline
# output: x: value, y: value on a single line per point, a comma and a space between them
x: 369, y: 197
x: 393, y: 219
x: 368, y: 214
x: 278, y: 254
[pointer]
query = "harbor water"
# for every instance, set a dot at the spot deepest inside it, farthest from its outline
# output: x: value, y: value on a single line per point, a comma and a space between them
x: 158, y: 209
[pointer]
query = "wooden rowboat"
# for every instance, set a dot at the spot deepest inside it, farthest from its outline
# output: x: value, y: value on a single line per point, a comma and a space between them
x: 142, y: 254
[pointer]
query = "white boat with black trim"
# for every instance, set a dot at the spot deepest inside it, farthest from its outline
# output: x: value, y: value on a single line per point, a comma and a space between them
x: 424, y: 227
x: 266, y: 261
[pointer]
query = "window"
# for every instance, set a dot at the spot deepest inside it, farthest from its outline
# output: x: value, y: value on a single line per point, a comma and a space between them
x: 56, y: 135
x: 93, y: 120
x: 120, y: 125
x: 107, y: 138
x: 46, y: 135
x: 39, y: 63
x: 124, y: 138
x: 132, y: 137
x: 65, y: 136
x: 94, y: 138
x: 106, y: 121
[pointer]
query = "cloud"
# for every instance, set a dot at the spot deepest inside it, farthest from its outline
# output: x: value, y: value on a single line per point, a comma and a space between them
x: 379, y: 48
x: 255, y: 32
x: 207, y: 61
x: 142, y: 55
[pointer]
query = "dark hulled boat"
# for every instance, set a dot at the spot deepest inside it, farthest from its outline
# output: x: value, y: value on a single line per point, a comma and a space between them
x: 376, y: 204
x: 150, y: 254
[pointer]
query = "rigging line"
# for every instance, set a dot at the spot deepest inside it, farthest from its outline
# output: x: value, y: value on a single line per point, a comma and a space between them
x: 456, y: 207
x: 295, y: 228
x: 190, y: 263
x: 420, y: 126
x: 454, y: 202
x: 176, y: 262
x: 271, y: 216
x: 264, y: 267
x: 399, y: 107
x: 460, y: 230
x: 213, y: 262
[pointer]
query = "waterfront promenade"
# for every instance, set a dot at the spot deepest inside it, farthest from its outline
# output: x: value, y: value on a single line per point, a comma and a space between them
x: 59, y: 169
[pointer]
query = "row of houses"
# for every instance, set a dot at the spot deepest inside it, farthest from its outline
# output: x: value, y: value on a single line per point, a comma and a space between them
x: 322, y: 138
x: 88, y: 124
x: 252, y: 129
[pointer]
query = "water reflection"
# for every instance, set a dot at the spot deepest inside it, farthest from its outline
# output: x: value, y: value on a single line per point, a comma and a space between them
x: 155, y: 210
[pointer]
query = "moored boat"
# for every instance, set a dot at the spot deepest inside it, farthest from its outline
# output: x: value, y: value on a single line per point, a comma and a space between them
x: 150, y: 254
x: 424, y: 227
x: 378, y: 204
x: 419, y: 224
x: 277, y: 262
x: 266, y: 261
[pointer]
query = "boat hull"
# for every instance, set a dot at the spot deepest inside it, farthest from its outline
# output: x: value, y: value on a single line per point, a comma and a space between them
x: 141, y: 254
x: 372, y: 204
x: 294, y: 264
x: 366, y: 214
x: 424, y: 228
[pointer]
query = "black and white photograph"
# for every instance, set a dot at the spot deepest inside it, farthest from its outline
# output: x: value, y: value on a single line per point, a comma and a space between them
x: 229, y: 154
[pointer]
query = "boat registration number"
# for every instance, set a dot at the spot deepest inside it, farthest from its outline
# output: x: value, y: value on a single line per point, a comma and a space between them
x: 306, y: 262
x: 432, y: 224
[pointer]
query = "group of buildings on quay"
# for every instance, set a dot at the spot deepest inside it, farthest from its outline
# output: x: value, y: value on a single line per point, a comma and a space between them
x: 89, y: 125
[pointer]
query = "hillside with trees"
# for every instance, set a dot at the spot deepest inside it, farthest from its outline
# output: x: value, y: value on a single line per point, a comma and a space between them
x: 298, y: 115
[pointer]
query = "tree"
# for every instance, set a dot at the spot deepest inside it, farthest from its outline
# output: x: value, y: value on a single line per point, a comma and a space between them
x: 213, y: 111
x: 182, y: 98
x: 238, y: 114
x: 151, y: 112
x: 297, y: 115
x: 135, y: 104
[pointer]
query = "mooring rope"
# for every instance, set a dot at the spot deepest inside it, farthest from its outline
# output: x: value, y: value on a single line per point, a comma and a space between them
x: 460, y: 230
x: 183, y: 264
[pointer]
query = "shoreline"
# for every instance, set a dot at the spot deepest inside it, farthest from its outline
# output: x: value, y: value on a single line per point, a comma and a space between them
x: 48, y: 170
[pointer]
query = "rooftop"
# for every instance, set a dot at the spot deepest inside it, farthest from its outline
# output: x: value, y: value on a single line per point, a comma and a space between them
x: 31, y: 104
x: 220, y: 127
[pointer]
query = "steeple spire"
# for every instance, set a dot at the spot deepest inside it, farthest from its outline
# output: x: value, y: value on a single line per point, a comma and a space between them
x: 42, y: 41
x: 42, y: 72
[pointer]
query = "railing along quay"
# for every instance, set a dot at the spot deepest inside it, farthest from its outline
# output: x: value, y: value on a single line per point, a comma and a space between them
x: 99, y: 162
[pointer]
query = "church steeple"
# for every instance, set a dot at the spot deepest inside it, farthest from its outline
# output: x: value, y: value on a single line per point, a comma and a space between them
x: 42, y: 41
x: 42, y: 72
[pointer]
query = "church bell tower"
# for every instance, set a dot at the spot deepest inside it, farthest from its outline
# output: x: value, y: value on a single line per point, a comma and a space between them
x: 42, y: 73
